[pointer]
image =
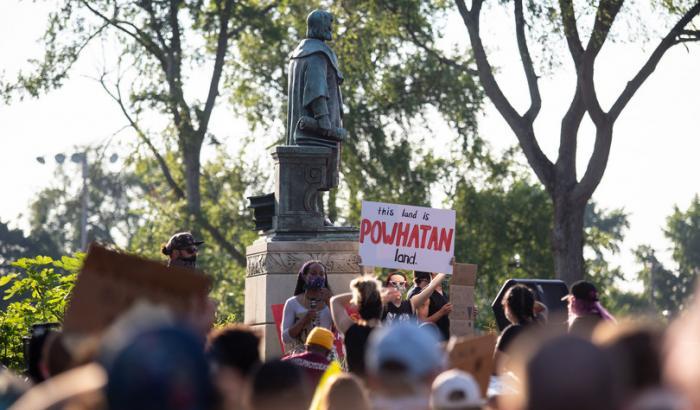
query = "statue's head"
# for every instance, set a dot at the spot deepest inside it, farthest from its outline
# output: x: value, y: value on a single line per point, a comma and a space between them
x: 319, y: 25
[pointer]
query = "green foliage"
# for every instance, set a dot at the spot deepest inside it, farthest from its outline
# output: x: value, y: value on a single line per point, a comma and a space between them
x: 226, y: 182
x: 503, y: 227
x: 669, y: 288
x: 37, y: 292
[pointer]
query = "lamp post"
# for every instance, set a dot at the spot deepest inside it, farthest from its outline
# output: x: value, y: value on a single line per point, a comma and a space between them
x: 82, y: 159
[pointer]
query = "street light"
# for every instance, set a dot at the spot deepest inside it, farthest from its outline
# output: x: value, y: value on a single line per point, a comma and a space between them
x: 82, y: 159
x: 78, y: 158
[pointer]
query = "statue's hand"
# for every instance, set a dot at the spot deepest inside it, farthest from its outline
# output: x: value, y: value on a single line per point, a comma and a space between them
x: 324, y: 123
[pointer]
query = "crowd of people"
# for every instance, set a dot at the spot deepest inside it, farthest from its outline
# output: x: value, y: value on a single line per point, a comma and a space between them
x: 394, y: 354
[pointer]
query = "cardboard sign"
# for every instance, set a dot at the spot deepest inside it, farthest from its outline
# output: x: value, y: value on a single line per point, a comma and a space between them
x: 407, y: 237
x: 462, y: 298
x: 474, y: 356
x: 110, y: 282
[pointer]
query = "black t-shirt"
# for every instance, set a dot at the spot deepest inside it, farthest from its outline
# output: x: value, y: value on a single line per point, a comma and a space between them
x: 437, y: 301
x: 401, y: 313
x: 505, y: 340
x: 355, y: 344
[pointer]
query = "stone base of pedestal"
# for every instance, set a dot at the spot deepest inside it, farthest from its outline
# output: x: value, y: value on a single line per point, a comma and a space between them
x: 272, y: 272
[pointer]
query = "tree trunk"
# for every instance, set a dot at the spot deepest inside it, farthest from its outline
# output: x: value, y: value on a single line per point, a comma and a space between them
x: 567, y: 239
x: 191, y: 154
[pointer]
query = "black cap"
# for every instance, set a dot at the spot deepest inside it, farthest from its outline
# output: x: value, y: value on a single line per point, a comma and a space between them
x: 583, y: 290
x: 181, y: 240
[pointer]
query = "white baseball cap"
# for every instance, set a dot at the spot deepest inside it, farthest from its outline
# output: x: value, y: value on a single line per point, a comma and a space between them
x: 455, y: 389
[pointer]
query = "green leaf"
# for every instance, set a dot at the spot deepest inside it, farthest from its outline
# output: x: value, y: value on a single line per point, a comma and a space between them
x: 7, y: 278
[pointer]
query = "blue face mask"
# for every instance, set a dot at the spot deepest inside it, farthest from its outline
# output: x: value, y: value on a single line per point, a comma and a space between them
x: 315, y: 282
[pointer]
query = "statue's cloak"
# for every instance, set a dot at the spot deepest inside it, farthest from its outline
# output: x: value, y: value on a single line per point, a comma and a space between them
x: 313, y: 73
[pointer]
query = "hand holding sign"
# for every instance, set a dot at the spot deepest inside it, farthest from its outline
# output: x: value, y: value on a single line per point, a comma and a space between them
x: 407, y: 237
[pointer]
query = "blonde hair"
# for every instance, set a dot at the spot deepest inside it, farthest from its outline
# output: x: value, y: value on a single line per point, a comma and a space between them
x: 367, y: 297
x: 345, y: 391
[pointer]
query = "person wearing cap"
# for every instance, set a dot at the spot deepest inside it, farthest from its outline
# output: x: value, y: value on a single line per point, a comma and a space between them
x: 585, y: 309
x: 315, y: 360
x: 402, y: 361
x: 181, y: 250
x: 456, y: 390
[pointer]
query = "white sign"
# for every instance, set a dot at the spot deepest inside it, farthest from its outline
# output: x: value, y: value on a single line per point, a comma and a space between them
x: 407, y: 237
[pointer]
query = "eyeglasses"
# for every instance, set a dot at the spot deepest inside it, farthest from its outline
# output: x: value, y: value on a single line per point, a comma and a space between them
x: 191, y: 249
x: 397, y: 284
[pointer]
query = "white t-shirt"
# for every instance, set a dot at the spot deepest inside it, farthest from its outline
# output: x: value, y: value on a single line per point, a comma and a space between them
x: 294, y: 311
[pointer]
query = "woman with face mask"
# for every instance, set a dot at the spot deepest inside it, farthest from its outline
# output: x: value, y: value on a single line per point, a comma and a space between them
x: 308, y: 308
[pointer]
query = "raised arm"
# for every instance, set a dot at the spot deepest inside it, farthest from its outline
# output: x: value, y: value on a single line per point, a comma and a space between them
x: 419, y: 299
x: 341, y: 319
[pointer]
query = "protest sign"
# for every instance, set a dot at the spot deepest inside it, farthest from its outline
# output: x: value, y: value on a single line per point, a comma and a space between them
x: 474, y: 356
x: 462, y: 298
x: 110, y: 282
x: 407, y: 237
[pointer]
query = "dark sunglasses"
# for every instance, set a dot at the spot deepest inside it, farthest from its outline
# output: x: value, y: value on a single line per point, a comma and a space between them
x: 191, y: 249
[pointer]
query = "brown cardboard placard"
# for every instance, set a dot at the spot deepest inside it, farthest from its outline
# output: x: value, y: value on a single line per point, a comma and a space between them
x: 110, y: 282
x: 462, y: 299
x: 464, y: 274
x: 474, y: 356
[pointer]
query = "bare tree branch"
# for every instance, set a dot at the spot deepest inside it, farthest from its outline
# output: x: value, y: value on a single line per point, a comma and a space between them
x: 568, y: 138
x: 221, y: 49
x: 573, y: 39
x: 605, y: 16
x: 535, y: 98
x: 439, y: 56
x: 601, y: 149
x: 671, y: 39
x: 221, y: 239
x: 117, y: 97
x: 139, y: 35
x: 596, y: 165
x: 523, y: 130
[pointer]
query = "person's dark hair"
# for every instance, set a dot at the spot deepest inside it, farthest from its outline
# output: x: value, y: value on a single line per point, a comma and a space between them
x: 570, y: 373
x: 365, y: 294
x: 279, y: 385
x: 636, y: 356
x: 235, y: 346
x: 420, y: 275
x: 34, y: 347
x: 299, y: 288
x: 392, y: 273
x: 521, y: 302
x: 159, y: 368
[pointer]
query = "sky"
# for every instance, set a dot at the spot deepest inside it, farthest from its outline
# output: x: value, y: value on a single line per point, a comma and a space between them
x: 653, y: 161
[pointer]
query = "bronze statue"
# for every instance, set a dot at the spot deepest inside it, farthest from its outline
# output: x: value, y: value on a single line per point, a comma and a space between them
x: 315, y: 106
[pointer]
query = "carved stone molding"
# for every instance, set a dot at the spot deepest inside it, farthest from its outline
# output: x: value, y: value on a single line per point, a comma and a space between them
x: 290, y: 262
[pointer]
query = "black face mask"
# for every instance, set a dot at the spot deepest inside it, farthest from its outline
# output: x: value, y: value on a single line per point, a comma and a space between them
x: 190, y: 262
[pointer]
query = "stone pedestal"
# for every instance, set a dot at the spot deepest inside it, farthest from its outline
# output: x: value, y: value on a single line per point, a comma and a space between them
x: 272, y: 273
x: 300, y: 173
